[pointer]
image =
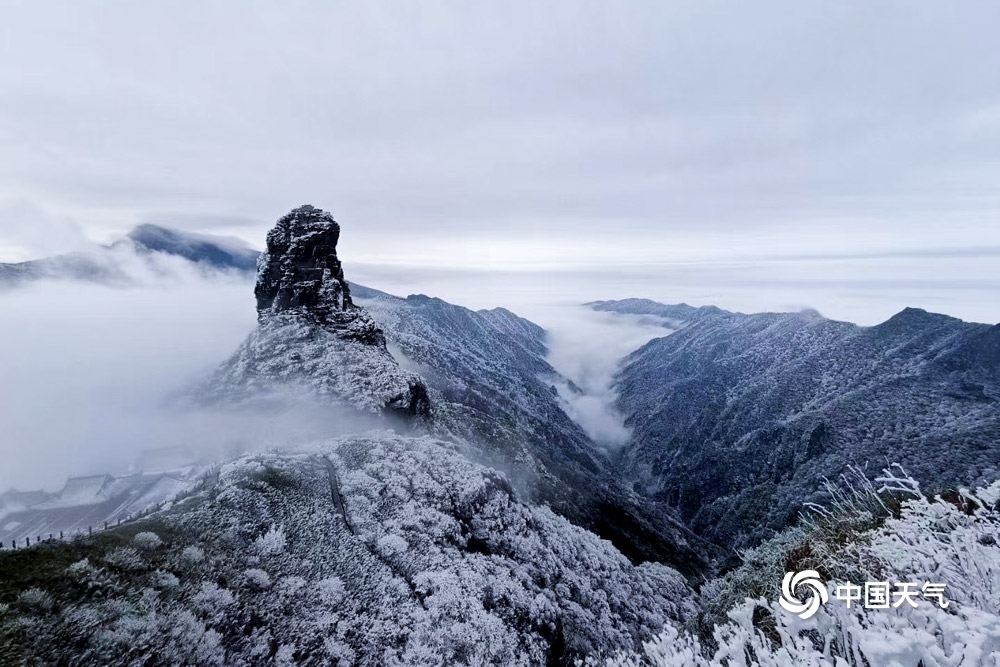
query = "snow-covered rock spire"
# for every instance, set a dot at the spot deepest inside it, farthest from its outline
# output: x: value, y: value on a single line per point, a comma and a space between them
x: 310, y: 335
x: 300, y: 271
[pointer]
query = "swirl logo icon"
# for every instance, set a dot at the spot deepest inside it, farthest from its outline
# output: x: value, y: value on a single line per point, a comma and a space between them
x: 808, y: 579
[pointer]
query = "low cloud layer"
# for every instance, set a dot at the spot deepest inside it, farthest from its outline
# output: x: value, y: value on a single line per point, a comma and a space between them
x: 587, y: 348
x: 89, y: 370
x: 864, y: 290
x: 92, y: 377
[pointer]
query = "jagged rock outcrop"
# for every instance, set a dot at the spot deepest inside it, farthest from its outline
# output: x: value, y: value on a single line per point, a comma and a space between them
x: 300, y: 272
x: 310, y: 335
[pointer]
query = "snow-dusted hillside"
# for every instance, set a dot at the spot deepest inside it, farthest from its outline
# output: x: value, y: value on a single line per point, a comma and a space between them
x: 374, y: 550
x: 492, y: 388
x: 738, y: 418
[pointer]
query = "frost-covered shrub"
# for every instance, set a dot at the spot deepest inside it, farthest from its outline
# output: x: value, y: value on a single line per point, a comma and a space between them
x: 938, y: 541
x: 257, y: 578
x: 391, y: 545
x: 147, y: 540
x: 126, y: 559
x: 165, y: 580
x: 270, y: 543
x: 213, y: 601
x: 831, y: 540
x: 82, y: 569
x: 184, y: 640
x: 192, y: 556
x: 331, y: 590
x: 835, y: 637
x: 338, y: 651
x: 35, y: 600
x: 285, y: 656
x: 291, y: 585
x: 955, y: 543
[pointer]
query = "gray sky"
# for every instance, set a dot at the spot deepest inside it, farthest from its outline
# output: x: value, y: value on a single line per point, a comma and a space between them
x: 508, y: 134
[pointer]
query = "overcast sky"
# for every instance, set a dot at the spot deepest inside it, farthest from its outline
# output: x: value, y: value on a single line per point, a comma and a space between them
x: 508, y: 134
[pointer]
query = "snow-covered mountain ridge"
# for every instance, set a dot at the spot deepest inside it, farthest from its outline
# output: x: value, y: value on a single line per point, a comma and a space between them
x: 146, y: 250
x: 737, y: 419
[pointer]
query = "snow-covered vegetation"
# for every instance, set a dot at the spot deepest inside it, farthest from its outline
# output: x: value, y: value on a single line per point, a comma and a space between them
x: 392, y: 550
x: 471, y: 534
x: 374, y: 550
x: 894, y: 533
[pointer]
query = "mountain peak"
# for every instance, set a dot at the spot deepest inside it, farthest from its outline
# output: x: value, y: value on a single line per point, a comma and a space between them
x: 220, y: 252
x: 300, y: 272
x: 309, y: 332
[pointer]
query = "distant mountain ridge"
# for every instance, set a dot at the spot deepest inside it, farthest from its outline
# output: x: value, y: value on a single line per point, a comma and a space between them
x: 737, y: 418
x: 88, y: 502
x: 220, y: 252
x: 107, y: 264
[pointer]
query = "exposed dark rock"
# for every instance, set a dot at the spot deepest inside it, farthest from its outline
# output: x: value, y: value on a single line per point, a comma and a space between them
x: 300, y: 271
x: 310, y: 335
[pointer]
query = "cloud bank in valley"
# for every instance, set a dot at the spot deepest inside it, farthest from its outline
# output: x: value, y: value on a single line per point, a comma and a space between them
x: 587, y: 348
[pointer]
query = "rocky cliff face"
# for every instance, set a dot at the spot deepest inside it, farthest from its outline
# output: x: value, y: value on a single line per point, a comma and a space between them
x: 310, y: 335
x: 300, y: 272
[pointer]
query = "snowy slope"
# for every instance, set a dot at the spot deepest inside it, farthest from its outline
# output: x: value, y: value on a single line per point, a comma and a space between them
x: 738, y: 418
x: 373, y: 550
x: 492, y: 388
